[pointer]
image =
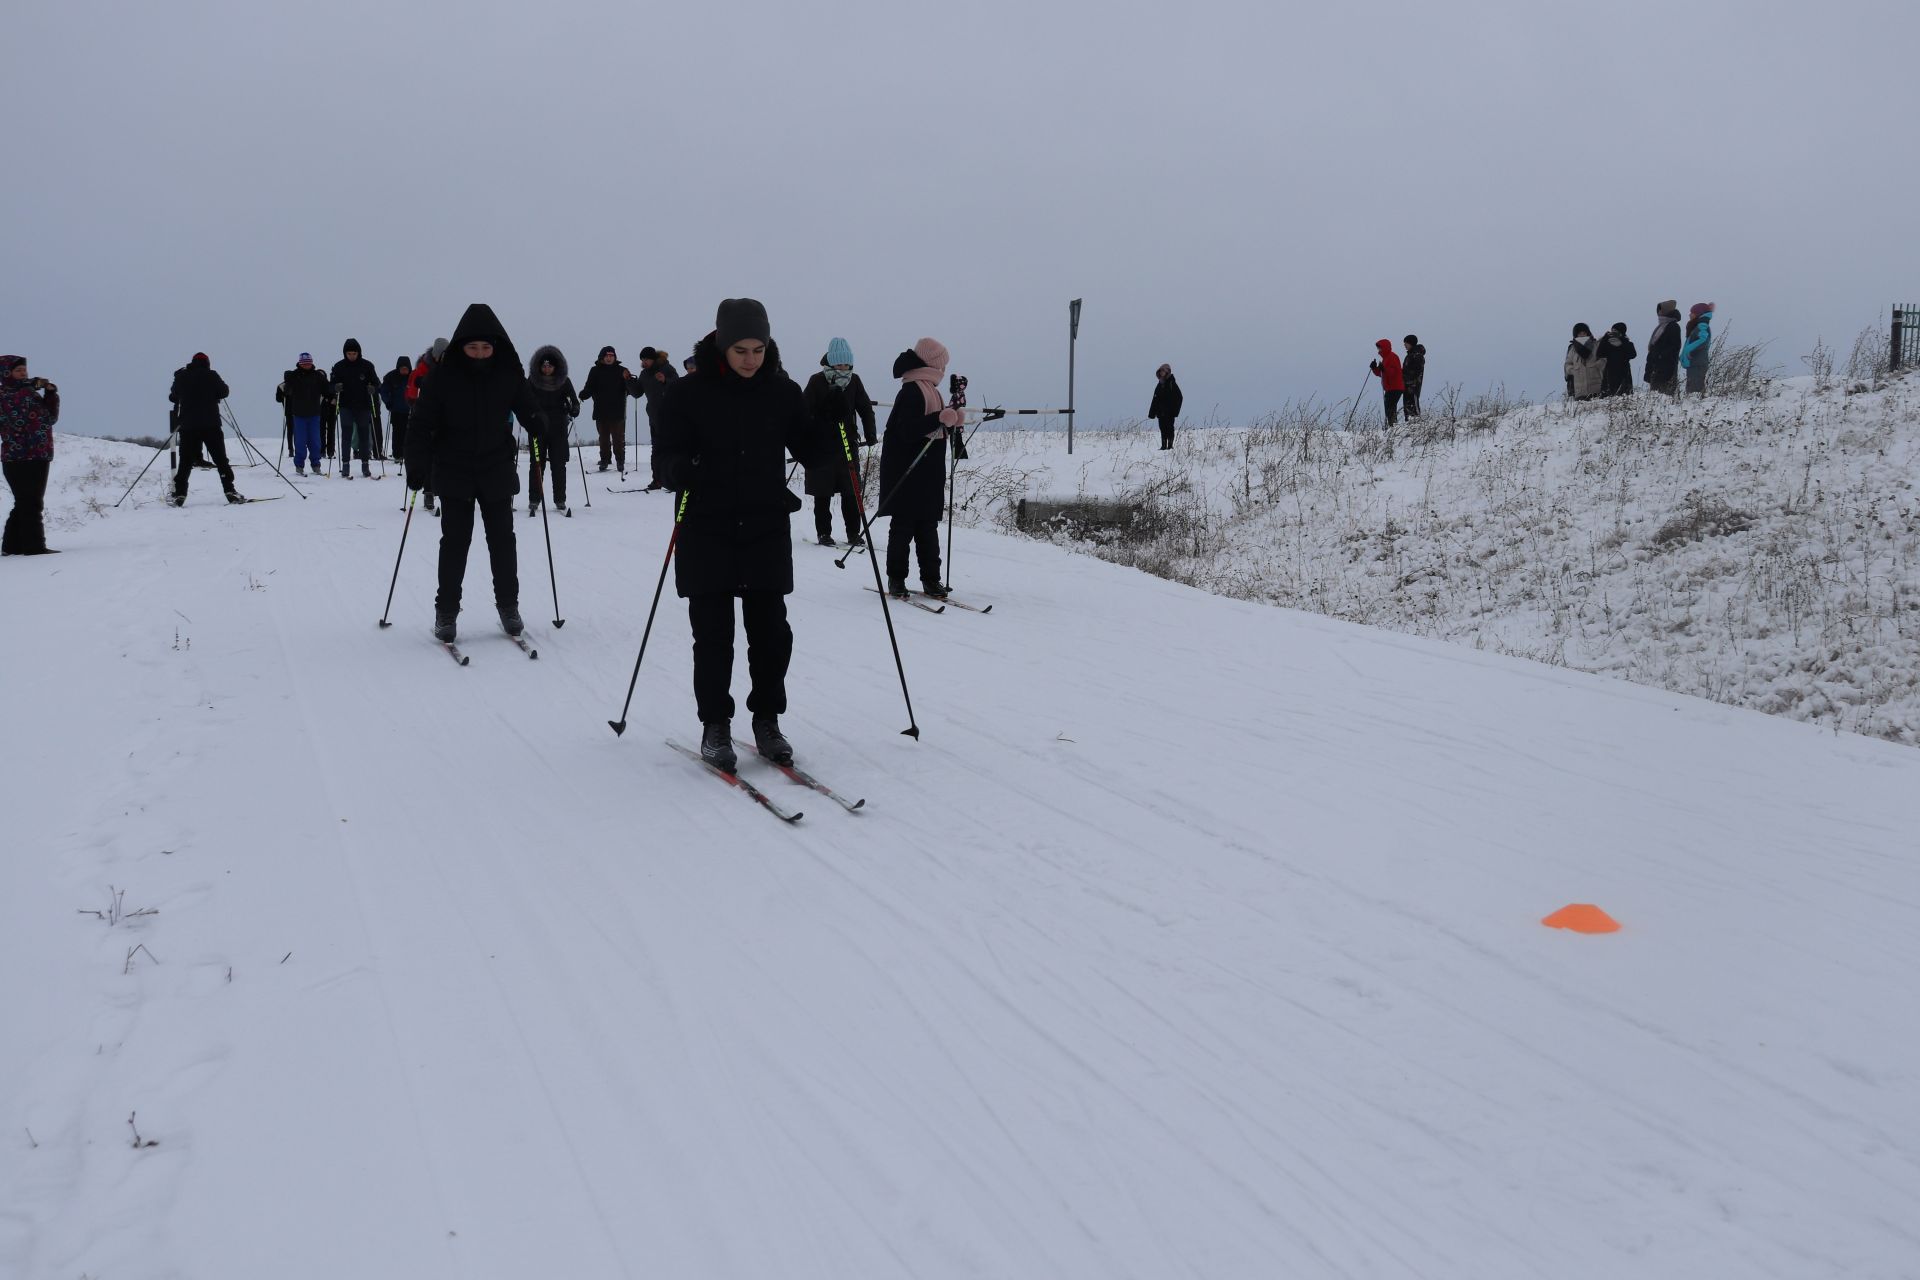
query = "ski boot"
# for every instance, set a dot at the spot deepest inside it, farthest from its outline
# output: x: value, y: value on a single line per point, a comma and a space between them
x: 937, y: 590
x: 301, y: 472
x: 366, y: 470
x: 770, y: 742
x: 177, y: 500
x: 856, y: 541
x: 826, y: 539
x: 510, y: 619
x: 443, y: 626
x: 235, y: 498
x: 561, y: 507
x: 716, y: 746
x: 533, y: 507
x: 897, y: 588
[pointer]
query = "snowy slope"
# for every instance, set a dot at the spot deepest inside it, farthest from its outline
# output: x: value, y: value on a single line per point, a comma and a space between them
x: 1195, y: 938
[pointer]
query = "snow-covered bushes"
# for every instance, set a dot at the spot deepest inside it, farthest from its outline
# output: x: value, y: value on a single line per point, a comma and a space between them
x: 1761, y: 550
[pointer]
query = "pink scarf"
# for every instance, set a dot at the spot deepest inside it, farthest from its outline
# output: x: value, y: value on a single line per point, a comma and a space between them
x: 929, y: 377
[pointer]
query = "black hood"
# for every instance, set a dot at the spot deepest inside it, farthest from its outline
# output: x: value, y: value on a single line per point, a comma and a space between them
x: 476, y: 325
x: 548, y: 352
x: 906, y: 362
x: 709, y: 362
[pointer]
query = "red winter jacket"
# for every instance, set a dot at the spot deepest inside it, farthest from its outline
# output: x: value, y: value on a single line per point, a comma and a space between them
x: 1387, y: 368
x: 421, y: 369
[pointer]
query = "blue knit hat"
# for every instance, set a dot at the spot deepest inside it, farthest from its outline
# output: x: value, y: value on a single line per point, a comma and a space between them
x: 838, y: 352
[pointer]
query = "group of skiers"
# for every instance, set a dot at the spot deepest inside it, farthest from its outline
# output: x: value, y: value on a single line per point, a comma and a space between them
x: 722, y: 437
x: 1600, y: 368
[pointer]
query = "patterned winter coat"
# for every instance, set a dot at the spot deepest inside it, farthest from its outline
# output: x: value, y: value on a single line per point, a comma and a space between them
x: 26, y: 417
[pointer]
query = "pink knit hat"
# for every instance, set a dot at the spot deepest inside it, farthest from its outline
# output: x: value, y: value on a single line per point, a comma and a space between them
x: 930, y: 350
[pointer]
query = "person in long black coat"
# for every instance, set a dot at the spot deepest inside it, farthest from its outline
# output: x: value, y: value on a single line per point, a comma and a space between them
x: 559, y: 406
x: 913, y: 466
x: 1663, y: 350
x: 197, y: 392
x: 461, y: 443
x: 393, y: 394
x: 608, y: 384
x: 722, y: 437
x: 1167, y: 399
x: 1618, y: 351
x: 840, y: 407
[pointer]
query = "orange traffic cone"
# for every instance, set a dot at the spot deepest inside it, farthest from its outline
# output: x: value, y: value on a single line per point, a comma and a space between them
x: 1582, y: 917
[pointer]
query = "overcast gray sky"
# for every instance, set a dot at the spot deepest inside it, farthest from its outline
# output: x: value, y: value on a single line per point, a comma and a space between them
x: 1252, y: 191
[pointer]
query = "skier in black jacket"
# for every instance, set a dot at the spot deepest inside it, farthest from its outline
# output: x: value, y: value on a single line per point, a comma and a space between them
x: 608, y: 385
x: 393, y: 394
x: 913, y: 467
x: 559, y: 406
x: 835, y: 398
x: 196, y: 394
x: 1167, y: 399
x: 461, y: 443
x: 722, y: 437
x: 356, y: 389
x: 304, y: 391
x: 656, y: 375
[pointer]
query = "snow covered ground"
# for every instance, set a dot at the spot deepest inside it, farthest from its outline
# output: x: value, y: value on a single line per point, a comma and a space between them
x: 1760, y: 551
x: 1195, y: 938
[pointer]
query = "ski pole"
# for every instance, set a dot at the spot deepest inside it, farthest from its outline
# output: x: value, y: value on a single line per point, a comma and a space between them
x: 957, y: 395
x: 680, y: 513
x: 396, y: 561
x: 866, y: 530
x: 547, y: 529
x: 379, y: 446
x: 263, y: 457
x: 584, y: 486
x: 841, y: 563
x: 1356, y: 400
x: 166, y: 445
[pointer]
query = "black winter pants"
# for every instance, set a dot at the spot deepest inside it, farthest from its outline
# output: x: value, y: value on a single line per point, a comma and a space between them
x: 1412, y: 401
x: 400, y: 435
x: 1393, y: 405
x: 551, y: 456
x: 26, y: 528
x: 192, y: 441
x: 849, y: 509
x: 769, y: 651
x: 1166, y: 433
x: 613, y: 442
x: 456, y: 535
x: 921, y: 536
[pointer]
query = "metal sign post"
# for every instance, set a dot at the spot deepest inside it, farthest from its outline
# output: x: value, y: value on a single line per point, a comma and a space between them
x: 1073, y: 340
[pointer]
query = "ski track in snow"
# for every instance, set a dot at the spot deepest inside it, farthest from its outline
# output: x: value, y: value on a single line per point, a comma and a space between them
x: 1193, y: 939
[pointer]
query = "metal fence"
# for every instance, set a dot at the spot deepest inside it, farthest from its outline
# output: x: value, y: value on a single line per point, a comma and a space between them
x: 1905, y: 347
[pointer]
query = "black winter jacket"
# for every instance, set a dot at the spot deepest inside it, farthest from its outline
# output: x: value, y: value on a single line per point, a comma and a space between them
x: 607, y: 386
x: 559, y: 405
x: 725, y: 440
x: 915, y: 490
x: 356, y: 383
x: 304, y: 391
x: 1167, y: 400
x: 460, y: 439
x: 1413, y: 368
x: 1663, y: 353
x: 829, y: 408
x: 393, y: 393
x: 198, y: 390
x: 651, y: 384
x: 1619, y: 354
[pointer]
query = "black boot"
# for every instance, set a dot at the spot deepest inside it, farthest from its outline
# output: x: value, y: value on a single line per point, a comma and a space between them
x: 938, y: 590
x: 510, y: 619
x: 716, y: 746
x: 234, y: 497
x: 770, y: 742
x: 897, y: 588
x: 443, y: 625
